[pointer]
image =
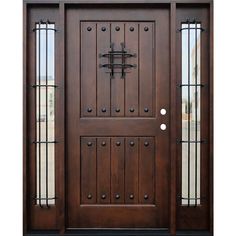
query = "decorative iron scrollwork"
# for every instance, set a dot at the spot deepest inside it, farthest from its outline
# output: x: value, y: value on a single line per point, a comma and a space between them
x: 114, y: 54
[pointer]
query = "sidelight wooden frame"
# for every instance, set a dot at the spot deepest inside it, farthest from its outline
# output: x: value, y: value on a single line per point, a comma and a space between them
x: 61, y: 4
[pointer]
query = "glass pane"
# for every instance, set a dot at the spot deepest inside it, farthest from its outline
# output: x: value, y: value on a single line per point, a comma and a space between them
x: 45, y: 113
x: 191, y: 44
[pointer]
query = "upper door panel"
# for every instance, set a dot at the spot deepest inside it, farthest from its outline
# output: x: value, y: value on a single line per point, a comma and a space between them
x: 117, y: 69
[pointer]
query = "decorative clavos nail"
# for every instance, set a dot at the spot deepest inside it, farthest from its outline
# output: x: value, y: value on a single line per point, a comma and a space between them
x: 89, y: 196
x: 117, y: 196
x: 145, y: 196
x: 117, y: 28
x: 131, y: 28
x: 89, y: 28
x: 131, y: 109
x: 146, y: 109
x: 117, y: 109
x: 89, y: 109
x: 104, y: 109
x: 146, y: 28
x: 146, y: 144
x: 104, y: 29
x: 118, y: 143
x: 103, y: 196
x: 131, y: 196
x: 103, y: 143
x: 89, y: 144
x: 131, y: 143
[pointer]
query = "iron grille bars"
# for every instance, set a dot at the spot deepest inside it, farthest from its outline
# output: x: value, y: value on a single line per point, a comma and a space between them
x: 45, y: 105
x: 190, y: 90
x: 196, y: 112
x: 188, y: 115
x: 112, y: 54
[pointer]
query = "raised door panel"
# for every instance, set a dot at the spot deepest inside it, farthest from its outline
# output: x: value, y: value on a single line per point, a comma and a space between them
x: 117, y: 69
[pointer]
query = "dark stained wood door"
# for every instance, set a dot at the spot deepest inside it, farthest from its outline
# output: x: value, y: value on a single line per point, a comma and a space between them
x: 118, y: 117
x: 117, y: 81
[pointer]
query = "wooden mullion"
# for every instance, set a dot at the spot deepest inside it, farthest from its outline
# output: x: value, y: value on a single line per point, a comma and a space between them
x: 211, y: 126
x: 173, y: 124
x: 25, y: 136
x: 60, y: 119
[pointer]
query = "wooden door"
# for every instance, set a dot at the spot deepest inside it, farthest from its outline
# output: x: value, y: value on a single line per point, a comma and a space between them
x: 118, y: 142
x: 118, y: 127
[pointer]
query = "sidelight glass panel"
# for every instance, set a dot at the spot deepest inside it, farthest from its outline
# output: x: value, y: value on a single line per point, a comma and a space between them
x: 191, y: 92
x: 45, y: 113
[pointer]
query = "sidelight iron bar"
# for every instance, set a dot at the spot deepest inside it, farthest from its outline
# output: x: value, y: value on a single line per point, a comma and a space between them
x: 45, y: 198
x: 46, y: 114
x: 39, y: 110
x: 47, y: 28
x: 196, y: 114
x: 44, y: 85
x: 35, y: 142
x: 40, y: 29
x: 191, y: 198
x: 183, y: 141
x: 191, y: 28
x: 188, y: 114
x: 191, y: 85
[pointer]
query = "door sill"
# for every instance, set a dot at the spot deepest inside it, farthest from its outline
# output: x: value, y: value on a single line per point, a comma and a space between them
x: 119, y: 232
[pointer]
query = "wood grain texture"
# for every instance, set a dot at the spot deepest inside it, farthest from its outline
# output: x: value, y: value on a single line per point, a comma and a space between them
x: 117, y: 170
x: 103, y: 170
x: 132, y: 76
x: 125, y: 167
x: 131, y: 170
x: 88, y: 69
x: 146, y: 170
x: 146, y: 62
x: 117, y: 83
x: 88, y: 170
x: 103, y: 75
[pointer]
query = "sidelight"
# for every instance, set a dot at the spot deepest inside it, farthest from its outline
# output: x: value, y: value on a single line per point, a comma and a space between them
x: 191, y: 112
x: 45, y: 113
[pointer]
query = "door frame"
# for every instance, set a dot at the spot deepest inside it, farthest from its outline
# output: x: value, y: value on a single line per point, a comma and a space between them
x: 60, y: 61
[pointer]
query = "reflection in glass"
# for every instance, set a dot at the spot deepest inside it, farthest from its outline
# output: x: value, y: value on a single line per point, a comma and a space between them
x: 191, y: 44
x: 45, y: 112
